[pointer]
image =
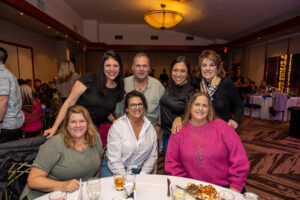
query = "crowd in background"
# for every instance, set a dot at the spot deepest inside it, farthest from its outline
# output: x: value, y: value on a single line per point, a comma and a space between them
x: 195, y: 112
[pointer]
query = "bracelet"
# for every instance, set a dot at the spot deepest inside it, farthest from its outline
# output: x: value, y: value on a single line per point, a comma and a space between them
x: 1, y: 121
x: 159, y: 125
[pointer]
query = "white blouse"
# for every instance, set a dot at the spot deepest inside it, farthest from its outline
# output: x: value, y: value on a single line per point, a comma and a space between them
x: 124, y: 150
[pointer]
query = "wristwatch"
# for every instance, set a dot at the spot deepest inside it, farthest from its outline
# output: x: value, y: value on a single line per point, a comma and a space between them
x: 1, y: 121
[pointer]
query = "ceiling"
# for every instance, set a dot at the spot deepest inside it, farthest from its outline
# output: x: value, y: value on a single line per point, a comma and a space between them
x: 211, y: 19
x: 230, y: 20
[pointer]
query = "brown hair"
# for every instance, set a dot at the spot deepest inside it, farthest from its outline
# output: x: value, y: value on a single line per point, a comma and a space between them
x: 141, y: 54
x: 216, y: 58
x: 66, y: 71
x: 187, y: 114
x: 91, y: 129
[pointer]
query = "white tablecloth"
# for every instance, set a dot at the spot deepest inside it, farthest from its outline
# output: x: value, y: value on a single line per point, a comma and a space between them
x: 148, y: 187
x: 265, y: 103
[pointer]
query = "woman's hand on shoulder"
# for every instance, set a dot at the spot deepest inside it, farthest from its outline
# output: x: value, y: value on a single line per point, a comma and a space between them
x: 49, y: 132
x: 70, y: 186
x: 233, y: 124
x: 177, y: 125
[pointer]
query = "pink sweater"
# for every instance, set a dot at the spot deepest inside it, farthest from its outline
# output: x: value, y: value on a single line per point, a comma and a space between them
x: 224, y: 160
x: 32, y: 120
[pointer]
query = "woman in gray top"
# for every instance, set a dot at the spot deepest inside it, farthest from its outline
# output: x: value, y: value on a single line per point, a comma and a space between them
x: 72, y: 154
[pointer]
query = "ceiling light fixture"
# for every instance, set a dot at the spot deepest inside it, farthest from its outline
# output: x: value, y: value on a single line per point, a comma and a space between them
x: 163, y: 19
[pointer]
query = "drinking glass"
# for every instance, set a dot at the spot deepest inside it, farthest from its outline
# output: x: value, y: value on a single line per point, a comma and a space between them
x: 118, y: 180
x: 58, y: 195
x: 129, y: 183
x: 225, y: 195
x: 177, y: 193
x: 93, y: 188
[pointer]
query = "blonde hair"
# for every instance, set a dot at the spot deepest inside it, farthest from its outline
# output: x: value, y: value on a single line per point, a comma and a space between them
x: 27, y: 98
x: 91, y: 129
x: 214, y: 57
x: 187, y: 114
x: 66, y: 71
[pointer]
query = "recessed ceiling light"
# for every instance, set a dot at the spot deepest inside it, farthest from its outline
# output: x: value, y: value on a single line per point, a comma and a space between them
x: 21, y: 13
x: 78, y: 42
x: 259, y: 38
x: 66, y: 35
x: 49, y: 27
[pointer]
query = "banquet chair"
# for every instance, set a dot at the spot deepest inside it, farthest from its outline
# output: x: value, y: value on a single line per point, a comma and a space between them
x: 279, y: 102
x: 250, y: 105
x: 16, y: 158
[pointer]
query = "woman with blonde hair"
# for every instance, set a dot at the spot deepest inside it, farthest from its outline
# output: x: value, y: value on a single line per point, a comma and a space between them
x: 72, y: 154
x: 32, y: 109
x: 206, y: 148
x: 65, y: 79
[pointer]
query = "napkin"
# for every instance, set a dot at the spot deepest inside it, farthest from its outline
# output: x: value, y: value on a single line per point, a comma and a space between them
x: 79, y: 195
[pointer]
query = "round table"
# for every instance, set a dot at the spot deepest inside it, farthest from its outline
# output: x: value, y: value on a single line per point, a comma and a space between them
x: 148, y: 187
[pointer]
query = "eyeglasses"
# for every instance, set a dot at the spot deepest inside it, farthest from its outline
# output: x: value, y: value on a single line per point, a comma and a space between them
x: 134, y: 105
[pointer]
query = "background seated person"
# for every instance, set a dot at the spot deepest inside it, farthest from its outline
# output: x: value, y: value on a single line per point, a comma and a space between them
x: 207, y: 149
x: 132, y: 140
x: 32, y: 110
x: 71, y: 154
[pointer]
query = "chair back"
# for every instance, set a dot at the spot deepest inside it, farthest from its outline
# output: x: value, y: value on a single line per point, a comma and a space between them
x: 16, y: 158
x: 279, y: 101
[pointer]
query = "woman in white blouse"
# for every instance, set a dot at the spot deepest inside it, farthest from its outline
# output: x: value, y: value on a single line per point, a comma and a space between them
x: 131, y: 142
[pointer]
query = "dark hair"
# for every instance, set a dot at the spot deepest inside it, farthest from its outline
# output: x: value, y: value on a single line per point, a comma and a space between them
x: 172, y: 85
x: 101, y: 78
x: 28, y: 80
x: 135, y: 94
x: 3, y: 55
x: 21, y: 81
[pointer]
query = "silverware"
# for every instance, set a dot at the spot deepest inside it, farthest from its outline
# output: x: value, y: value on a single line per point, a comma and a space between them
x: 193, y: 195
x: 169, y: 183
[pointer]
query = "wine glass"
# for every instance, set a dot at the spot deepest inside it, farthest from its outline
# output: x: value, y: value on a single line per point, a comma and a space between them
x: 93, y: 188
x: 225, y: 195
x: 58, y: 195
x: 129, y: 183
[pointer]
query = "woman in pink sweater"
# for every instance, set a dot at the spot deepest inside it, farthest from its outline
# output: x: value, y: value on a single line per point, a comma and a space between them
x: 32, y: 110
x: 206, y: 148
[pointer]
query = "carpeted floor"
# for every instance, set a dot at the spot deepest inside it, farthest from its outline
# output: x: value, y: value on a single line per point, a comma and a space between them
x: 274, y: 159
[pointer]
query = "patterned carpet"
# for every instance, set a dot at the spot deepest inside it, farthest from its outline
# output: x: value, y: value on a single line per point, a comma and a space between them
x: 274, y: 159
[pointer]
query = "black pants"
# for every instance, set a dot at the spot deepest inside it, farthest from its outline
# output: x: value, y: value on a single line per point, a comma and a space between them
x: 7, y: 135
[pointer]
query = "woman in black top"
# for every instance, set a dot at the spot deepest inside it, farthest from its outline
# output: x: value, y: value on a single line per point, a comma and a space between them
x: 176, y: 96
x: 222, y: 91
x: 98, y: 94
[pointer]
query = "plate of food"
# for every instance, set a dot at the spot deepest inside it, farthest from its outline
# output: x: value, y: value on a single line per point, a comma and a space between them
x: 207, y: 192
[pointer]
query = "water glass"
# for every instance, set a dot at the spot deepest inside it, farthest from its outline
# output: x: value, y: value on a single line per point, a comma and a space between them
x: 177, y: 193
x: 58, y: 195
x: 129, y: 183
x: 225, y: 195
x: 93, y: 188
x: 118, y: 180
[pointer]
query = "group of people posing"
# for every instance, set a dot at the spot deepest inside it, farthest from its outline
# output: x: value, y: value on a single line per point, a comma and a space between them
x: 194, y: 117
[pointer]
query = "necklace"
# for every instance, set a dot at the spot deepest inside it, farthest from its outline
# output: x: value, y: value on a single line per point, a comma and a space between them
x: 199, y: 142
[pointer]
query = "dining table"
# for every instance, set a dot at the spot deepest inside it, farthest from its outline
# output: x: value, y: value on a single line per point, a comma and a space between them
x: 265, y: 101
x: 148, y: 187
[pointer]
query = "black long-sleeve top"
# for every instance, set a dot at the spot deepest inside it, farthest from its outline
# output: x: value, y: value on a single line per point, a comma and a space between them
x: 173, y: 103
x: 226, y: 100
